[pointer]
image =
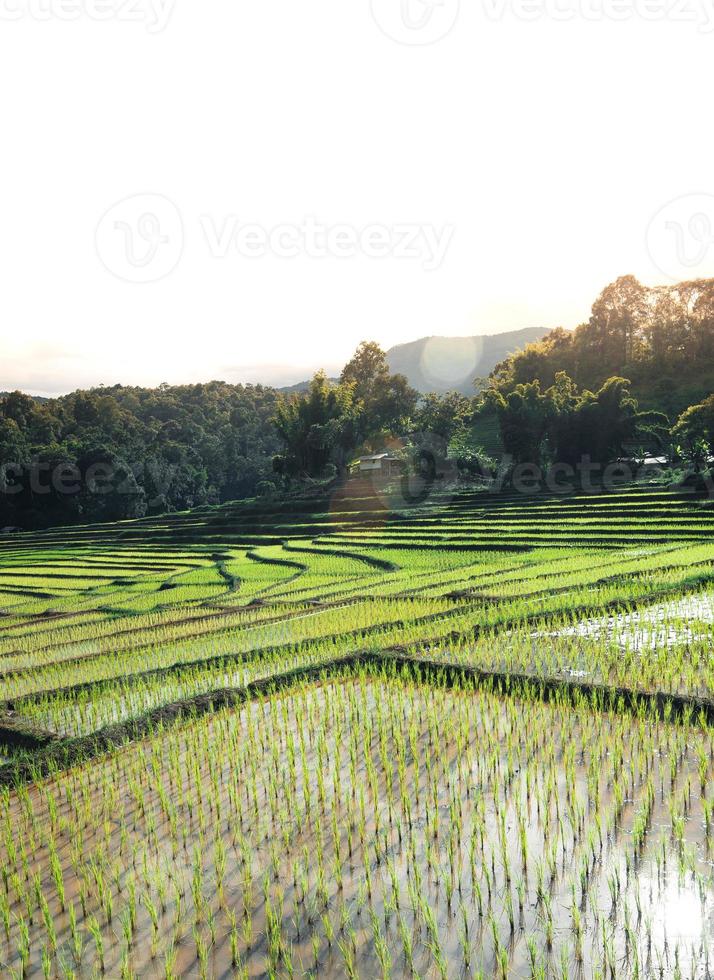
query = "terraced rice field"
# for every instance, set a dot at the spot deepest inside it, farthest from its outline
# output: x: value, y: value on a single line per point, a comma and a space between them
x: 353, y: 736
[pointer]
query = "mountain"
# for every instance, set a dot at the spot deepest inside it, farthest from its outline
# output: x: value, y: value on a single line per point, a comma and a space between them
x: 448, y: 363
x: 301, y: 387
x: 451, y: 363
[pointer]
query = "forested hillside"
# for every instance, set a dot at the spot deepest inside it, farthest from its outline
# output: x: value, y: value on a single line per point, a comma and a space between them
x: 639, y: 374
x: 119, y: 452
x: 660, y: 338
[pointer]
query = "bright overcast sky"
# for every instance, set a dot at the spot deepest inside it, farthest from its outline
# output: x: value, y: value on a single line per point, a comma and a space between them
x: 245, y: 190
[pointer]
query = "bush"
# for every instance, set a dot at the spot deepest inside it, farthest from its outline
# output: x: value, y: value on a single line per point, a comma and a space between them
x: 265, y: 488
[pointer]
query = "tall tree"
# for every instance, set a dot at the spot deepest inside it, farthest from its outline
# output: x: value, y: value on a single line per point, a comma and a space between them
x: 386, y: 400
x: 317, y: 428
x: 618, y: 315
x: 524, y: 416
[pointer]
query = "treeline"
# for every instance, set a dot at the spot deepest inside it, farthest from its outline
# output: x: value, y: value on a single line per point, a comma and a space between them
x: 636, y: 378
x: 123, y: 452
x: 565, y: 425
x: 368, y: 408
x: 322, y: 429
x: 581, y: 393
x: 661, y: 339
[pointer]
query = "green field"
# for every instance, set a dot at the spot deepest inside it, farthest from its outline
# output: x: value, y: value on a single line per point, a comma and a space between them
x: 349, y: 736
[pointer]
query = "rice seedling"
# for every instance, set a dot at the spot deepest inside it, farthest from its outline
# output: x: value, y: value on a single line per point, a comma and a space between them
x: 390, y: 813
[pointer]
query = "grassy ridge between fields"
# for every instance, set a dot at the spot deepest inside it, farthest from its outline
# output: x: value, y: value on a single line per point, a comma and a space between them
x: 52, y: 754
x: 119, y: 623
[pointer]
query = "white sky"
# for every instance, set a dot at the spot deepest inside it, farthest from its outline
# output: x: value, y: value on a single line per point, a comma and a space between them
x: 543, y: 148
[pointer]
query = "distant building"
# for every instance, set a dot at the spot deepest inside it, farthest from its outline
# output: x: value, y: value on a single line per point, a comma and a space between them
x: 385, y: 464
x: 645, y: 461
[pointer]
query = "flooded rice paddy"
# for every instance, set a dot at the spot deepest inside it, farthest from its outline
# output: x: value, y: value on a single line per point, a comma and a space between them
x: 372, y: 827
x: 664, y: 624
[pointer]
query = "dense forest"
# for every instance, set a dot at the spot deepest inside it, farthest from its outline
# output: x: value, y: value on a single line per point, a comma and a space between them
x: 661, y: 339
x: 637, y: 377
x: 120, y: 452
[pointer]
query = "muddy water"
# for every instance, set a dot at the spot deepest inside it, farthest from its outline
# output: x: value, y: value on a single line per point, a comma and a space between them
x: 377, y: 828
x: 663, y: 625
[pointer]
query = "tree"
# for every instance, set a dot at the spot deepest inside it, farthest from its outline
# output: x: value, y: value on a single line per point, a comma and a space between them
x: 108, y: 489
x: 693, y: 433
x: 385, y: 401
x: 564, y: 425
x: 317, y: 428
x: 524, y: 416
x: 443, y: 415
x: 367, y: 369
x: 437, y: 420
x: 661, y: 338
x: 618, y: 315
x: 605, y: 422
x: 540, y: 361
x: 13, y: 443
x: 564, y: 437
